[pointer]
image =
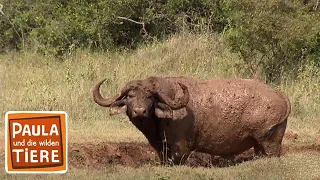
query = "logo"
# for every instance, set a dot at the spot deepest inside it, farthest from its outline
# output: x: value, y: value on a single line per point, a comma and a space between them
x: 36, y: 142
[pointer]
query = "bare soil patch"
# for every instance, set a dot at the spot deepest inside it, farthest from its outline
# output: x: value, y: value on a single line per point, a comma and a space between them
x: 137, y: 154
x: 2, y: 144
x: 100, y: 155
x: 110, y: 153
x: 290, y: 135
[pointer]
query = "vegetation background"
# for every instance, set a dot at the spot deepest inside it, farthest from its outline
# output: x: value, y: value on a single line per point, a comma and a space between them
x: 54, y: 51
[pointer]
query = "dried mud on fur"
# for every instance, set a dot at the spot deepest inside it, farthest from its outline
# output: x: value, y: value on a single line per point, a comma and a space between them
x: 138, y: 154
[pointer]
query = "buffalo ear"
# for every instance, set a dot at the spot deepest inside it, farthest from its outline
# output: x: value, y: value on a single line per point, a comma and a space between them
x: 118, y: 107
x: 163, y: 111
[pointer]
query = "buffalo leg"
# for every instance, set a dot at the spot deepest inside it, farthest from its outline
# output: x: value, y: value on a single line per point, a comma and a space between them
x: 229, y: 160
x: 168, y: 158
x: 180, y: 159
x: 165, y: 156
x: 259, y: 150
x: 271, y: 145
x: 180, y: 152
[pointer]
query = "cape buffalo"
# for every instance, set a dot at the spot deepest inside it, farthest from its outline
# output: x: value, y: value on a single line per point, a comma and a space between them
x: 224, y: 117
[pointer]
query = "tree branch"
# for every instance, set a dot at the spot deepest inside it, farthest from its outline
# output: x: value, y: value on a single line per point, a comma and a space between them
x: 131, y: 20
x: 1, y: 12
x: 316, y: 6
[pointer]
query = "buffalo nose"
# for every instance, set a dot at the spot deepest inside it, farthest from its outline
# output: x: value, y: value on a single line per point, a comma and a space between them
x: 139, y: 111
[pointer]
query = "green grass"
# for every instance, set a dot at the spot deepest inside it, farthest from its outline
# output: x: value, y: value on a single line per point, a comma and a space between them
x: 32, y: 82
x: 298, y: 166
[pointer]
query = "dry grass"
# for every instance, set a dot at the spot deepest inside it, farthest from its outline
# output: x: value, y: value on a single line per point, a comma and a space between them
x: 32, y: 82
x: 298, y: 166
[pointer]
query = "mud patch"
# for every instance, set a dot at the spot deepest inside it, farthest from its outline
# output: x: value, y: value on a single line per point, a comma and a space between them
x: 318, y: 140
x: 290, y: 135
x: 139, y: 154
x: 106, y: 154
x: 125, y: 154
x: 312, y: 148
x: 2, y: 144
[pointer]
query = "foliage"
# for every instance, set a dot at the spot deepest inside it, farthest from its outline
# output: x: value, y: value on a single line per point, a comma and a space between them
x: 276, y: 36
x: 57, y: 27
x: 54, y: 27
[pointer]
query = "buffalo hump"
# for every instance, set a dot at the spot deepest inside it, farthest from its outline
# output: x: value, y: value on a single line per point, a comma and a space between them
x: 221, y: 117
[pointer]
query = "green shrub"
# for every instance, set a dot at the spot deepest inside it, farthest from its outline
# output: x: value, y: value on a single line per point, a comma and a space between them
x: 58, y: 27
x: 276, y: 37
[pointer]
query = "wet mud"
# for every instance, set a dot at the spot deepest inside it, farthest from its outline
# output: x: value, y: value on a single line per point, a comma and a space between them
x: 105, y: 154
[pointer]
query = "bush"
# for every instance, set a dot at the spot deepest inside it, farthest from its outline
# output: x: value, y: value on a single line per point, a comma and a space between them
x: 56, y: 27
x: 276, y: 37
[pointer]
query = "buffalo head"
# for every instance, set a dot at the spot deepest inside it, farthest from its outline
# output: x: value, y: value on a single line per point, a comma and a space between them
x: 144, y: 98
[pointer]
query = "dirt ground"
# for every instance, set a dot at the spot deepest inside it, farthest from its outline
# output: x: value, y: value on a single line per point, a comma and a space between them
x: 100, y: 155
x: 138, y: 154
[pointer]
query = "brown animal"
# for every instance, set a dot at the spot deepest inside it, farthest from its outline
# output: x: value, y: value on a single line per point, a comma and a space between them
x: 225, y: 117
